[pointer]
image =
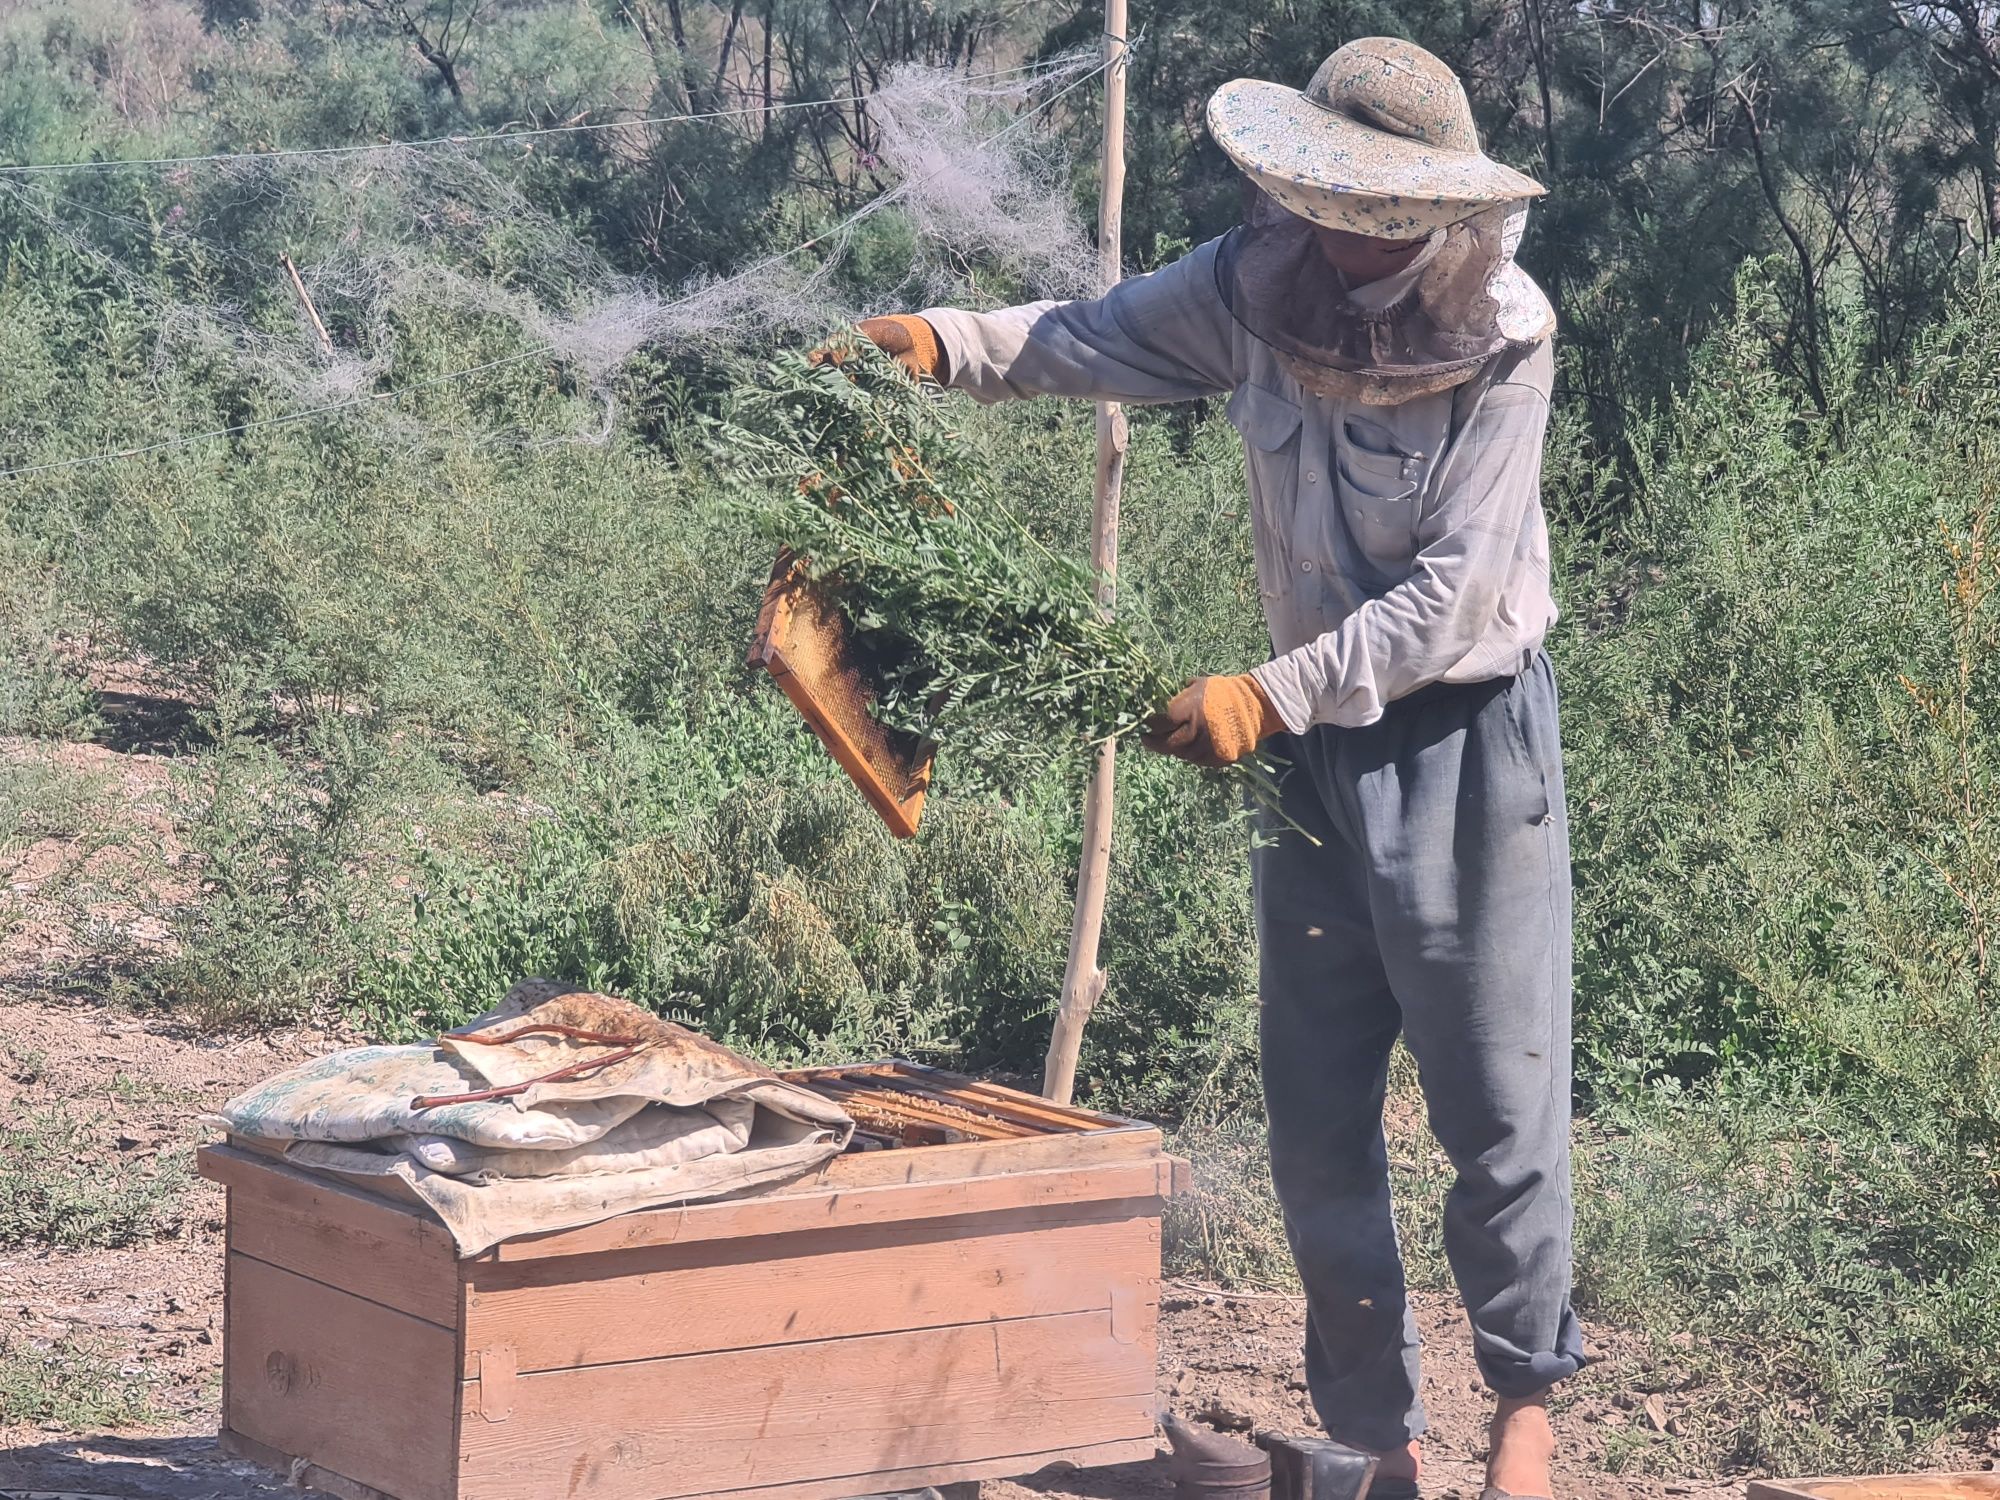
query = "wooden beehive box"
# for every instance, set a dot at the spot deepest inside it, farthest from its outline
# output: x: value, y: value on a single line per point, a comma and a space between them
x: 974, y: 1294
x: 1880, y: 1487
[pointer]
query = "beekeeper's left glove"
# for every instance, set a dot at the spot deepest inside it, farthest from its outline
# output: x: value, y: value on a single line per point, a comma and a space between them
x: 1213, y: 721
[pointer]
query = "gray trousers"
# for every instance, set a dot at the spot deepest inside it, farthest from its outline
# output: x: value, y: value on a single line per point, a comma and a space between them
x: 1436, y: 905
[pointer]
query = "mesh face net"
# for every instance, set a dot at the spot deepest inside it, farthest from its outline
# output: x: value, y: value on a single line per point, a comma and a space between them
x: 1463, y: 301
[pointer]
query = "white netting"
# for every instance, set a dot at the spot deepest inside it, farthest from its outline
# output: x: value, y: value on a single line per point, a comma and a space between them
x: 388, y: 234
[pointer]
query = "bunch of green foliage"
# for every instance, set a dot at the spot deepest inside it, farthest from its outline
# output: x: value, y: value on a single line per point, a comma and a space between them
x: 981, y: 638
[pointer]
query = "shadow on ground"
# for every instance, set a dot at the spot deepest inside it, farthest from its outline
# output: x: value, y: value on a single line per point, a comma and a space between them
x: 193, y: 1468
x: 1116, y: 1482
x: 149, y: 723
x: 112, y: 1468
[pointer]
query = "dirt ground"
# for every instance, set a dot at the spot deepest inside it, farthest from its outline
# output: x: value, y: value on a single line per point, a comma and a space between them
x: 155, y: 1310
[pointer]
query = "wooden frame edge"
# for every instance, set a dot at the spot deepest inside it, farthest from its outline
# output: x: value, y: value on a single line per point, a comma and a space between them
x: 768, y: 649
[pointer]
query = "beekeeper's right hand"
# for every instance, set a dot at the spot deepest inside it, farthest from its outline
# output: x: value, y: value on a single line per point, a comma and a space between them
x: 1213, y: 721
x: 905, y: 338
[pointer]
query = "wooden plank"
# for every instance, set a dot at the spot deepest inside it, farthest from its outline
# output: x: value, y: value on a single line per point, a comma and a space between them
x: 788, y: 1289
x: 707, y: 1423
x: 1976, y: 1486
x: 300, y: 1475
x: 972, y: 1093
x: 1033, y: 1106
x: 996, y: 1115
x: 863, y: 1098
x: 784, y: 1213
x: 337, y: 1236
x: 341, y: 1382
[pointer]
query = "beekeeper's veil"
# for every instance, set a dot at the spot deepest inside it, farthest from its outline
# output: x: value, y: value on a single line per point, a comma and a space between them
x: 1381, y: 142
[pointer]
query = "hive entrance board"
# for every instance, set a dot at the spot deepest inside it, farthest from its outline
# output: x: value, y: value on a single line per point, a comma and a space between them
x: 804, y: 641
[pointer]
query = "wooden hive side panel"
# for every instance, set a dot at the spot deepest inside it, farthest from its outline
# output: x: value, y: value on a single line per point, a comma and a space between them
x: 338, y: 1236
x: 859, y: 1169
x: 831, y: 1208
x: 665, y: 1301
x: 951, y: 1402
x: 344, y: 1384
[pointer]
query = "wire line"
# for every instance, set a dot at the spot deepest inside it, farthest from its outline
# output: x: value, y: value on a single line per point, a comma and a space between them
x: 873, y: 206
x: 535, y: 132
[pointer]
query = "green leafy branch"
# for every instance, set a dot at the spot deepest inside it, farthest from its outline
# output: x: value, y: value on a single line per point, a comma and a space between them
x: 980, y: 638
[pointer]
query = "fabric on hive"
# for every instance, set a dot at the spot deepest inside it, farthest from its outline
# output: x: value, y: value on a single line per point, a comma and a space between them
x: 482, y: 1213
x: 364, y: 1094
x: 682, y: 1119
x: 660, y: 1135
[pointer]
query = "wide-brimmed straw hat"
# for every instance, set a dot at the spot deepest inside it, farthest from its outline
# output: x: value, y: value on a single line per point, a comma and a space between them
x: 1381, y: 142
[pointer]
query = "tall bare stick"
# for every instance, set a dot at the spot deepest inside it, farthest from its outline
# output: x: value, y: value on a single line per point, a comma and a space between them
x: 1083, y: 980
x: 306, y: 301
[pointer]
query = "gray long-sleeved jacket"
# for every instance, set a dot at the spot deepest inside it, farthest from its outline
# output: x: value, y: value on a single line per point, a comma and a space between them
x: 1396, y: 545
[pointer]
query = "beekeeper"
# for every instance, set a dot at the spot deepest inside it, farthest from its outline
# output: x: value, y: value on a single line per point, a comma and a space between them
x: 1388, y: 367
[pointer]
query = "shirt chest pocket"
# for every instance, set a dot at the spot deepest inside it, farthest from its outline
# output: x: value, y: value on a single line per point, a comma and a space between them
x: 1269, y: 425
x: 1381, y: 492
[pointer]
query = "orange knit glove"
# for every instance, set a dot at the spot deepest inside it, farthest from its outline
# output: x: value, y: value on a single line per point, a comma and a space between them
x: 1213, y: 721
x: 910, y: 341
x: 904, y: 337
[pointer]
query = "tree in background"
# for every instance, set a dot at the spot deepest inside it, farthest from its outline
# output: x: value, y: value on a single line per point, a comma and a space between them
x: 1958, y: 52
x: 1852, y: 144
x: 1850, y: 141
x: 438, y: 31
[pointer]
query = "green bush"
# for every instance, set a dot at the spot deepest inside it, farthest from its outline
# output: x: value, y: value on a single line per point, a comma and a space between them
x: 267, y: 932
x: 771, y: 908
x: 1821, y: 1278
x: 60, y: 1185
x: 1778, y: 699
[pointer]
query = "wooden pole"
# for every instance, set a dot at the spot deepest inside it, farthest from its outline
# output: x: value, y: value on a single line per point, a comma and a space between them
x: 1083, y: 980
x: 306, y: 301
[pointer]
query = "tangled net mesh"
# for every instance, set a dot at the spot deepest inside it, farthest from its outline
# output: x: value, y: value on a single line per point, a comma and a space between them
x: 385, y: 238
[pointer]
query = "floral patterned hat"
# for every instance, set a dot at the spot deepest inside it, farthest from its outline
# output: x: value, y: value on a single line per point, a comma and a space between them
x: 1381, y: 142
